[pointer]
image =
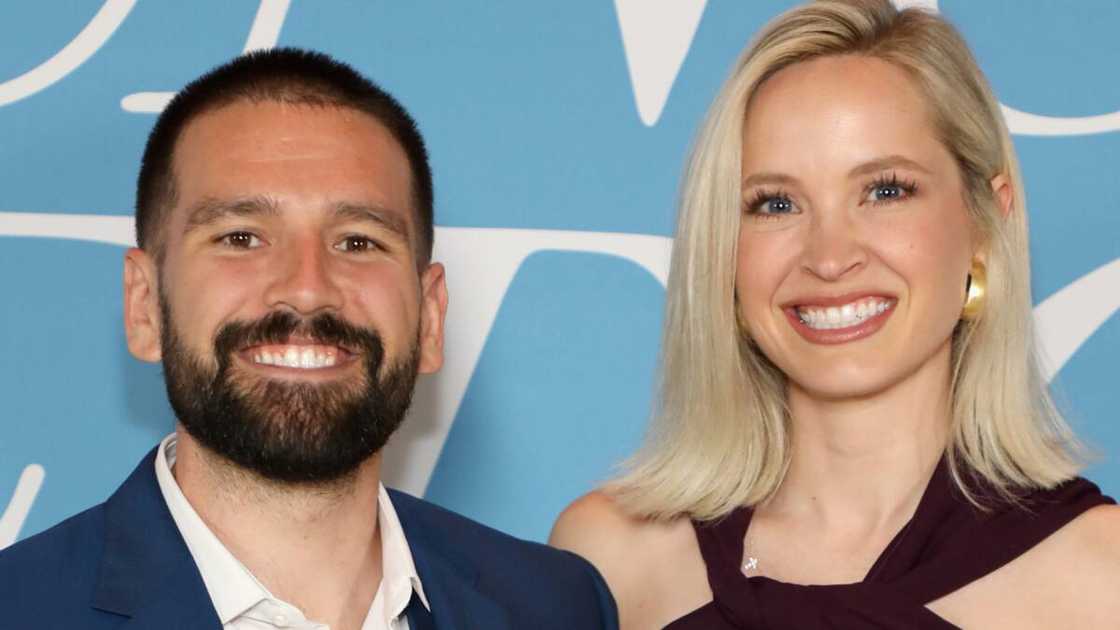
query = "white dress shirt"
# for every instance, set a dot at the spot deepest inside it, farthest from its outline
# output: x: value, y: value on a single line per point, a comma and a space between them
x: 243, y: 603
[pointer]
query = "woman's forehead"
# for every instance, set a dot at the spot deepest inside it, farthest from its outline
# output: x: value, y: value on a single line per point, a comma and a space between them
x: 838, y: 112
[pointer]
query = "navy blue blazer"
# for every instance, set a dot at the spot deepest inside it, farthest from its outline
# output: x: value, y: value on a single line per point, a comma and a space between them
x: 123, y: 564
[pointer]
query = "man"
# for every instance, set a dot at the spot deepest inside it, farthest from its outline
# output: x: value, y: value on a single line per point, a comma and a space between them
x: 284, y: 218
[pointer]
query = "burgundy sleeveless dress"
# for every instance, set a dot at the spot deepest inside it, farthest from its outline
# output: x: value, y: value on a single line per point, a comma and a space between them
x: 946, y: 545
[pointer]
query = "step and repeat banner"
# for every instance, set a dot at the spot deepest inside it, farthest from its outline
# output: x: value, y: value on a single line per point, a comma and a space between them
x: 557, y: 132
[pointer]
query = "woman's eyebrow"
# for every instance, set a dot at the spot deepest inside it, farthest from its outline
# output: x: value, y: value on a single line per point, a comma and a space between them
x: 885, y: 163
x: 756, y: 179
x: 866, y: 168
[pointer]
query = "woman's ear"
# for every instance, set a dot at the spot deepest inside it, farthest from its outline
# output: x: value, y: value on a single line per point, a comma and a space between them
x: 1004, y: 196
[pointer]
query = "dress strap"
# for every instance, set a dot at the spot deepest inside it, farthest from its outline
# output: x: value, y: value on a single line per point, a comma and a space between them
x: 971, y: 543
x: 721, y: 547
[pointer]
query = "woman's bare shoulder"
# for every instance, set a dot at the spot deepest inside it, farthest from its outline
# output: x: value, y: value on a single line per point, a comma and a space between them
x: 596, y: 520
x: 1087, y: 550
x: 1072, y: 578
x: 597, y: 527
x: 653, y: 568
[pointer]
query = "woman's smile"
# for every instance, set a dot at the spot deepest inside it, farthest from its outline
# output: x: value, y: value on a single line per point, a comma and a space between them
x: 840, y: 320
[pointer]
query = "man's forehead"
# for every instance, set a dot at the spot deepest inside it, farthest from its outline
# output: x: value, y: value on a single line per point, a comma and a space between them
x: 271, y: 149
x: 252, y: 125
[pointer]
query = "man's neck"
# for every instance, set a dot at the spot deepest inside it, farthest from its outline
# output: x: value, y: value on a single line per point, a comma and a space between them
x: 317, y: 547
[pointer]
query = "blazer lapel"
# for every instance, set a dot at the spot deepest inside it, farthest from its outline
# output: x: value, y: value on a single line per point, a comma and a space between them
x: 449, y: 578
x: 419, y: 617
x: 456, y: 601
x: 147, y: 572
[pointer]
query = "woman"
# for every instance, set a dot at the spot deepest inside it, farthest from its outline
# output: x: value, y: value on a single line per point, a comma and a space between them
x: 850, y: 397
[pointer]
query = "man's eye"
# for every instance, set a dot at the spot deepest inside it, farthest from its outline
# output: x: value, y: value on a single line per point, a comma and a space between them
x: 356, y: 244
x: 241, y: 240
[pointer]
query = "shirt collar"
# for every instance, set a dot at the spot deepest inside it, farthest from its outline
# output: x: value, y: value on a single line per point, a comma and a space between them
x: 399, y: 577
x: 232, y: 587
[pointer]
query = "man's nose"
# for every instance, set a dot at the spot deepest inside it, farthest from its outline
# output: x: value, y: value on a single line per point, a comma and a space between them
x: 304, y: 280
x: 834, y: 247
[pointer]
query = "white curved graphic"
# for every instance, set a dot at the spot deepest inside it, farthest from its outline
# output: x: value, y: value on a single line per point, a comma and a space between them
x: 1026, y: 124
x: 481, y: 263
x: 1068, y: 318
x: 263, y: 34
x: 146, y: 102
x: 116, y: 230
x: 265, y: 31
x: 929, y: 5
x: 656, y: 36
x: 74, y: 54
x: 27, y: 488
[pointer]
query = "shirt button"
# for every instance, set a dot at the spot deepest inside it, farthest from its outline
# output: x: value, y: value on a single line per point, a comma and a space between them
x: 280, y: 620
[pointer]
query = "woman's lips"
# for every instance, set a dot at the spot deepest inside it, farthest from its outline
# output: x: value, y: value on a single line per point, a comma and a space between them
x: 840, y: 322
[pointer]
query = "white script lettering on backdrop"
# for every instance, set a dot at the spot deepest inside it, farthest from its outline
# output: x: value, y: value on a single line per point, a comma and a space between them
x: 27, y: 488
x: 263, y: 34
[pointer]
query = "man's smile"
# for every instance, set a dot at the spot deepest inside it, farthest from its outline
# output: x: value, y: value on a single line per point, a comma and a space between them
x: 297, y: 356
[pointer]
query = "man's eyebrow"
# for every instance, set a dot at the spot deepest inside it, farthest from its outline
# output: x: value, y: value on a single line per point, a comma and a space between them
x: 387, y: 219
x: 885, y: 163
x: 211, y: 209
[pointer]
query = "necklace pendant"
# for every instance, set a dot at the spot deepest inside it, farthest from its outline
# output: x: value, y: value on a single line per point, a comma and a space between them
x: 751, y: 564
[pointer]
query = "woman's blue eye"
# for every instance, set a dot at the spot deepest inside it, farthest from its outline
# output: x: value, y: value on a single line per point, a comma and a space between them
x: 778, y: 205
x: 887, y: 193
x: 889, y: 189
x: 771, y: 204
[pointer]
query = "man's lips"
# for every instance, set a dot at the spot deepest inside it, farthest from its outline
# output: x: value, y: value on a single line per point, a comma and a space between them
x: 300, y: 356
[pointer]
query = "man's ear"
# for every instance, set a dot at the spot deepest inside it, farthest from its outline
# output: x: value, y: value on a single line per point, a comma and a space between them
x: 1003, y: 194
x: 433, y: 308
x: 142, y: 316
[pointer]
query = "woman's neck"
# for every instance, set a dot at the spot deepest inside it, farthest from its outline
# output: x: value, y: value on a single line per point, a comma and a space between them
x: 864, y: 462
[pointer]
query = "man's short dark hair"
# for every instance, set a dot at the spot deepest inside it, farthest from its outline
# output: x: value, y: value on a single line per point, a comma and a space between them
x: 282, y: 75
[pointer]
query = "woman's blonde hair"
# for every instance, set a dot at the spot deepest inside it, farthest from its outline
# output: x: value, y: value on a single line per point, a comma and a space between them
x: 720, y: 436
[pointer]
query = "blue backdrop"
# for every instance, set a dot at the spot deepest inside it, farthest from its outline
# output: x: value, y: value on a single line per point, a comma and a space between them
x: 557, y: 132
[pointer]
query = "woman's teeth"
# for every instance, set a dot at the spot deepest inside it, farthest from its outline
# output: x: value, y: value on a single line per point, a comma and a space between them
x: 826, y: 318
x: 296, y: 358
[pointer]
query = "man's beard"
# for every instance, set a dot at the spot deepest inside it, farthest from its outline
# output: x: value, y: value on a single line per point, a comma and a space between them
x: 287, y: 431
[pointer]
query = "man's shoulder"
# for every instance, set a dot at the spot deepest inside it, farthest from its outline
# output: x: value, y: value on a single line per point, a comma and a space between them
x: 464, y: 536
x: 55, y: 566
x: 539, y: 584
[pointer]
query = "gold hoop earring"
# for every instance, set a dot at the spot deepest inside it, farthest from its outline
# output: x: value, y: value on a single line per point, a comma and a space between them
x: 976, y: 288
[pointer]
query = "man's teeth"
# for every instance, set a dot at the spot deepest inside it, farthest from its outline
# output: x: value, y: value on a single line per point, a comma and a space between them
x: 294, y: 358
x: 825, y: 318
